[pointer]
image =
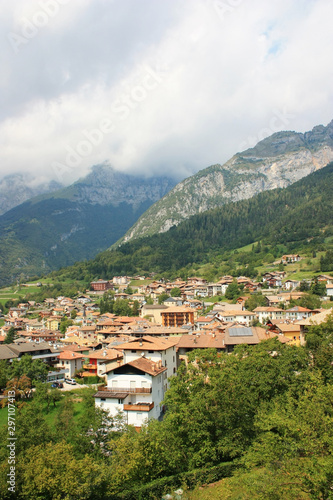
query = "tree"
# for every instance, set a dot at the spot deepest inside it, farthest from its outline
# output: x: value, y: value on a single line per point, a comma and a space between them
x: 20, y: 386
x: 3, y: 373
x: 163, y: 297
x: 47, y: 395
x: 55, y: 472
x: 292, y: 455
x: 35, y: 370
x: 255, y: 300
x: 175, y: 292
x: 73, y: 314
x: 318, y: 288
x: 304, y: 286
x: 11, y: 336
x: 232, y: 292
x: 64, y: 324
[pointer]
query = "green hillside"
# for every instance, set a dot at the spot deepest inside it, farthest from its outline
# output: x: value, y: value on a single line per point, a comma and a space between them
x: 74, y: 223
x: 296, y: 218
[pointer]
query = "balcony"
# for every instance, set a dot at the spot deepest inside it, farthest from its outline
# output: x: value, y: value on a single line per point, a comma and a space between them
x: 139, y: 407
x: 129, y: 390
x: 89, y: 366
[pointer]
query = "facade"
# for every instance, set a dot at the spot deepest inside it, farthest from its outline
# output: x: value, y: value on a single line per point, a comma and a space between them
x: 178, y: 316
x: 136, y: 389
x: 101, y: 285
x: 69, y: 362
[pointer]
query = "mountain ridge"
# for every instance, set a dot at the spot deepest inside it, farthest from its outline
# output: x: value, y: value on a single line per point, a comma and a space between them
x: 74, y: 223
x: 277, y: 161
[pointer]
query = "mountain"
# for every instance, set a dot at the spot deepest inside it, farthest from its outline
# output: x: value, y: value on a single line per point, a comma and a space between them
x: 285, y: 220
x: 277, y: 161
x: 17, y: 188
x: 74, y: 223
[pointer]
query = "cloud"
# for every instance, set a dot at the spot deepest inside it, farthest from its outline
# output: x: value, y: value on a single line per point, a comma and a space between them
x: 157, y: 87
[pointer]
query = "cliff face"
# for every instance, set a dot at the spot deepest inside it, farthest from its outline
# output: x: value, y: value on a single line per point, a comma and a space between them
x: 277, y: 161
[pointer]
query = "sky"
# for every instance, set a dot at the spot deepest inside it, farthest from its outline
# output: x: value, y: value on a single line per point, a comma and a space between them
x: 156, y: 87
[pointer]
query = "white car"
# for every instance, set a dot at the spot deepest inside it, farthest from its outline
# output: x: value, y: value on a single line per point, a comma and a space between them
x: 70, y: 381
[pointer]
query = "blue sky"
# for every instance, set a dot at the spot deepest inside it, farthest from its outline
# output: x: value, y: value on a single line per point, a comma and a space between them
x: 157, y: 87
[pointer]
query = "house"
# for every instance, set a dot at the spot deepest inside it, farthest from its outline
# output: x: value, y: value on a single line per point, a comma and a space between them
x: 70, y: 362
x: 265, y: 313
x: 101, y: 285
x: 237, y: 316
x: 178, y: 316
x: 289, y: 259
x: 329, y: 290
x: 40, y: 350
x: 173, y: 301
x: 292, y: 331
x: 251, y: 336
x: 102, y: 360
x: 297, y: 313
x: 152, y: 312
x: 153, y: 348
x: 291, y: 284
x: 136, y: 389
x: 199, y: 340
x: 315, y: 319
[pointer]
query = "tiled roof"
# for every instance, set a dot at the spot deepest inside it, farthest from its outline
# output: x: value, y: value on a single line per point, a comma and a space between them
x: 147, y: 366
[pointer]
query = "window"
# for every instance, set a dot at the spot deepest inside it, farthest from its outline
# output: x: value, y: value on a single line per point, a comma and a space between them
x: 119, y: 401
x: 103, y: 399
x: 133, y: 350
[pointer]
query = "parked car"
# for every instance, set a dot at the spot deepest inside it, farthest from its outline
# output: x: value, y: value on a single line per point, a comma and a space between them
x: 57, y: 385
x: 70, y: 381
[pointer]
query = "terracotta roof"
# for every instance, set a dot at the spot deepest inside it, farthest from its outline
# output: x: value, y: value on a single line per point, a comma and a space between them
x: 291, y: 327
x: 104, y: 354
x: 201, y: 341
x: 70, y: 355
x: 150, y: 343
x: 316, y: 319
x: 147, y: 366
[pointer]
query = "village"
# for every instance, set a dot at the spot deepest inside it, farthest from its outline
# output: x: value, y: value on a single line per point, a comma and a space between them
x: 132, y: 358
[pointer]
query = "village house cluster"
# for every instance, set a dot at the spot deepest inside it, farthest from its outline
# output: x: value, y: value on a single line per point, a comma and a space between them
x: 135, y: 357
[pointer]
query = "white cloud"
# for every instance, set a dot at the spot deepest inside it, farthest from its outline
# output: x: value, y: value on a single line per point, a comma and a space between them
x: 157, y: 87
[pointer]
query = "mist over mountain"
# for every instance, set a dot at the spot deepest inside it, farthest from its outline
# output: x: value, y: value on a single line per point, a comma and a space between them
x: 74, y: 223
x: 17, y: 188
x: 275, y: 162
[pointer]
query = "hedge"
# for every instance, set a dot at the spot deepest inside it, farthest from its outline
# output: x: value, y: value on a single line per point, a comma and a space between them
x: 156, y: 489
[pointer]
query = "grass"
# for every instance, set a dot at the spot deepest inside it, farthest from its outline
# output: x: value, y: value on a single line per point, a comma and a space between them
x: 75, y: 395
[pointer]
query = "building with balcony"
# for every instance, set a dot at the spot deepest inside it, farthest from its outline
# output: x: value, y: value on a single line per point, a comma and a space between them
x: 136, y: 389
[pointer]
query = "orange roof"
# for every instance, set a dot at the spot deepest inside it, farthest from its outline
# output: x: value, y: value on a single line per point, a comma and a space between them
x: 69, y: 355
x: 147, y: 366
x: 104, y: 354
x: 150, y: 343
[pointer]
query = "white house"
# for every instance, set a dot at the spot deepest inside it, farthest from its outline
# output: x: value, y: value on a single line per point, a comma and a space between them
x: 155, y: 349
x: 70, y: 361
x: 136, y: 389
x: 265, y: 313
x: 241, y: 317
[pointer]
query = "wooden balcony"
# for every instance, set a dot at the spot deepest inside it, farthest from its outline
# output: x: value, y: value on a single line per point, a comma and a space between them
x: 89, y: 366
x: 129, y: 390
x: 139, y: 407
